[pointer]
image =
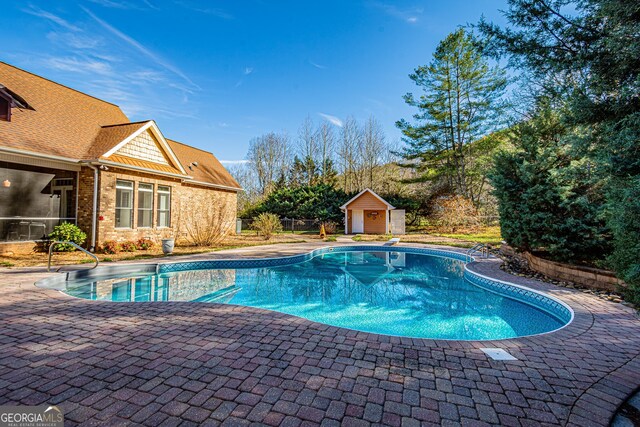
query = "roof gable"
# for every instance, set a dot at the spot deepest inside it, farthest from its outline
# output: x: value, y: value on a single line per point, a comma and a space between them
x: 365, y: 192
x: 146, y: 143
x: 145, y: 147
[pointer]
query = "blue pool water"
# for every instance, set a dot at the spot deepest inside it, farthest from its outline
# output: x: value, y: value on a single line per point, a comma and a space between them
x: 393, y: 293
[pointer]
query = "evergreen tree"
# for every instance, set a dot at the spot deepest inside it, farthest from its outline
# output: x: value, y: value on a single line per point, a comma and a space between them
x: 461, y: 101
x: 548, y: 198
x: 585, y: 54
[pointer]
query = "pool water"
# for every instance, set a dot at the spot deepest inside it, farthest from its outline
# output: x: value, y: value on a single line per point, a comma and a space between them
x: 392, y: 293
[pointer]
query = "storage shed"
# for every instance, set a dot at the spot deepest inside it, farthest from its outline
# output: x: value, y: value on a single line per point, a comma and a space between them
x: 369, y: 213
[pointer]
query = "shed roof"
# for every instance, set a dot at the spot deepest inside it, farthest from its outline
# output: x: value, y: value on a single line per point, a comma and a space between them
x: 363, y: 192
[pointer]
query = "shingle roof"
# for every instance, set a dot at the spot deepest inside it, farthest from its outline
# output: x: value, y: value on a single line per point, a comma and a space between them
x: 67, y: 123
x: 109, y: 136
x: 209, y: 169
x: 63, y: 122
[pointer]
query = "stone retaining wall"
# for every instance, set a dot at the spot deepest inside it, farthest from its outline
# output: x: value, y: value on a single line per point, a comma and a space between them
x: 592, y: 278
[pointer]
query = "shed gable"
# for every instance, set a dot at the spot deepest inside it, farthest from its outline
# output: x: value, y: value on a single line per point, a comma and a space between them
x: 145, y: 147
x: 367, y: 201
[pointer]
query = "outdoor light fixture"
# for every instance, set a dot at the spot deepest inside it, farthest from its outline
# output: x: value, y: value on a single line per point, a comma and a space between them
x: 6, y: 183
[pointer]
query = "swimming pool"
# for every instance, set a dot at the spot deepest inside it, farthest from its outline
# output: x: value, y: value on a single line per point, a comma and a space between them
x: 419, y: 293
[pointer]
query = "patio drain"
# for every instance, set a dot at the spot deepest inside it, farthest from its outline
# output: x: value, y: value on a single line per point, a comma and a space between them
x: 497, y: 354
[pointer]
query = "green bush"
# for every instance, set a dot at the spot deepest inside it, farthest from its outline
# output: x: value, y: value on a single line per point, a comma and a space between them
x: 266, y: 224
x: 320, y: 202
x: 69, y: 233
x: 623, y: 219
x: 547, y: 197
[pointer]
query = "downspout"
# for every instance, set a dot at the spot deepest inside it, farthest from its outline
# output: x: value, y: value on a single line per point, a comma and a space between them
x: 94, y: 214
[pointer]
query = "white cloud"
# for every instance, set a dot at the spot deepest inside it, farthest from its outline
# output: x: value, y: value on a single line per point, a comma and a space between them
x: 217, y: 12
x: 332, y: 119
x: 36, y: 11
x: 142, y: 49
x: 408, y: 15
x: 322, y: 67
x: 74, y: 40
x: 80, y: 65
x: 234, y: 162
x: 248, y: 70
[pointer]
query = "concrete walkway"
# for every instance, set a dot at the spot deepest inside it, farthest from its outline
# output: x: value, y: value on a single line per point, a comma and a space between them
x: 183, y: 363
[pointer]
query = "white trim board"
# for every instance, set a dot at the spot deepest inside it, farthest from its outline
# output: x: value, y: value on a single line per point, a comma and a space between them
x: 389, y: 206
x: 150, y: 125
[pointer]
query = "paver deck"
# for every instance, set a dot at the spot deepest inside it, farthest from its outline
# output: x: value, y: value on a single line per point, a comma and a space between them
x: 182, y: 363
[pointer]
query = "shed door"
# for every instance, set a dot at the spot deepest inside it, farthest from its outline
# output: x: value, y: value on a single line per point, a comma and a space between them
x: 357, y: 221
x: 397, y: 221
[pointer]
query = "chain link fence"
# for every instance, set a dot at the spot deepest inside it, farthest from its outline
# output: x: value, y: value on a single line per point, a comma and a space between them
x: 290, y: 225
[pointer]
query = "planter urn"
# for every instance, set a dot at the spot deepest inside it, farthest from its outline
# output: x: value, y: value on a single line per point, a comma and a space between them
x: 167, y: 246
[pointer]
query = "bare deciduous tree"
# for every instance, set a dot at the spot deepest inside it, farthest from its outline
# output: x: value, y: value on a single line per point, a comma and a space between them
x: 372, y: 149
x: 326, y: 145
x: 207, y: 227
x: 269, y: 154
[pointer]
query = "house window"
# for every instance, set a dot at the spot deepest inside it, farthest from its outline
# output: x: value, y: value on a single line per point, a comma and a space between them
x: 164, y: 206
x: 124, y: 204
x: 5, y: 109
x: 145, y: 205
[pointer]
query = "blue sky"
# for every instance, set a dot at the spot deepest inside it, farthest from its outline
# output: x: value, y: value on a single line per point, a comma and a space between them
x: 215, y: 74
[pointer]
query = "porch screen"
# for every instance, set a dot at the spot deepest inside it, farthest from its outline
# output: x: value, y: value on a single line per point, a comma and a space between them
x: 164, y: 206
x: 124, y: 204
x: 145, y: 205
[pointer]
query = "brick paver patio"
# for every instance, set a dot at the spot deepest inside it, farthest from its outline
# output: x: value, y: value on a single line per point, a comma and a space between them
x: 177, y: 363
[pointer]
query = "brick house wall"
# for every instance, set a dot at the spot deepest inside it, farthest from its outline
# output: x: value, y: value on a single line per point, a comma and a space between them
x: 188, y: 204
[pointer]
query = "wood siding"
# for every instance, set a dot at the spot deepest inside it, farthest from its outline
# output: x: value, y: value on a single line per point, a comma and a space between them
x: 367, y: 201
x: 374, y: 226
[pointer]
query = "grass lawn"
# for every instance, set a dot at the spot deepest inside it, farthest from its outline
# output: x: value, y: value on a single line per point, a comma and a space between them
x: 490, y: 235
x: 434, y: 236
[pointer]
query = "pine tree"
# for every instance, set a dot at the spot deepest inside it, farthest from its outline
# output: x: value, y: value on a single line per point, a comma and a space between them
x: 461, y: 101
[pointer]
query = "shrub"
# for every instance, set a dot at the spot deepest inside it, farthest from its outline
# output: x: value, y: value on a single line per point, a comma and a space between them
x: 549, y: 197
x: 144, y: 244
x: 267, y: 224
x: 330, y: 227
x: 453, y: 212
x: 67, y: 232
x: 128, y: 246
x: 320, y: 201
x: 110, y: 247
x: 209, y: 226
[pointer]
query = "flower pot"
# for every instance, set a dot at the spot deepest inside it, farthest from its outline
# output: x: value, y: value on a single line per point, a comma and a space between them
x: 167, y: 246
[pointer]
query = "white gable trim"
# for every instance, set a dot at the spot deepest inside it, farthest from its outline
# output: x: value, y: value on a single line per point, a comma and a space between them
x: 389, y: 206
x: 151, y: 126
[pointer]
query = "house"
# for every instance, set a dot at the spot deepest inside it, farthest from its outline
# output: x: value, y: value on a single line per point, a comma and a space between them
x: 369, y: 213
x: 67, y: 156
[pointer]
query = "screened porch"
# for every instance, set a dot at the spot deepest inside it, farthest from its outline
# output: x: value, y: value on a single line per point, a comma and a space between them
x: 33, y: 200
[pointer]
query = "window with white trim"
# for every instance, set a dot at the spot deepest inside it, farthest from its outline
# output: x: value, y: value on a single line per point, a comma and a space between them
x: 145, y: 205
x: 164, y: 206
x: 124, y: 204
